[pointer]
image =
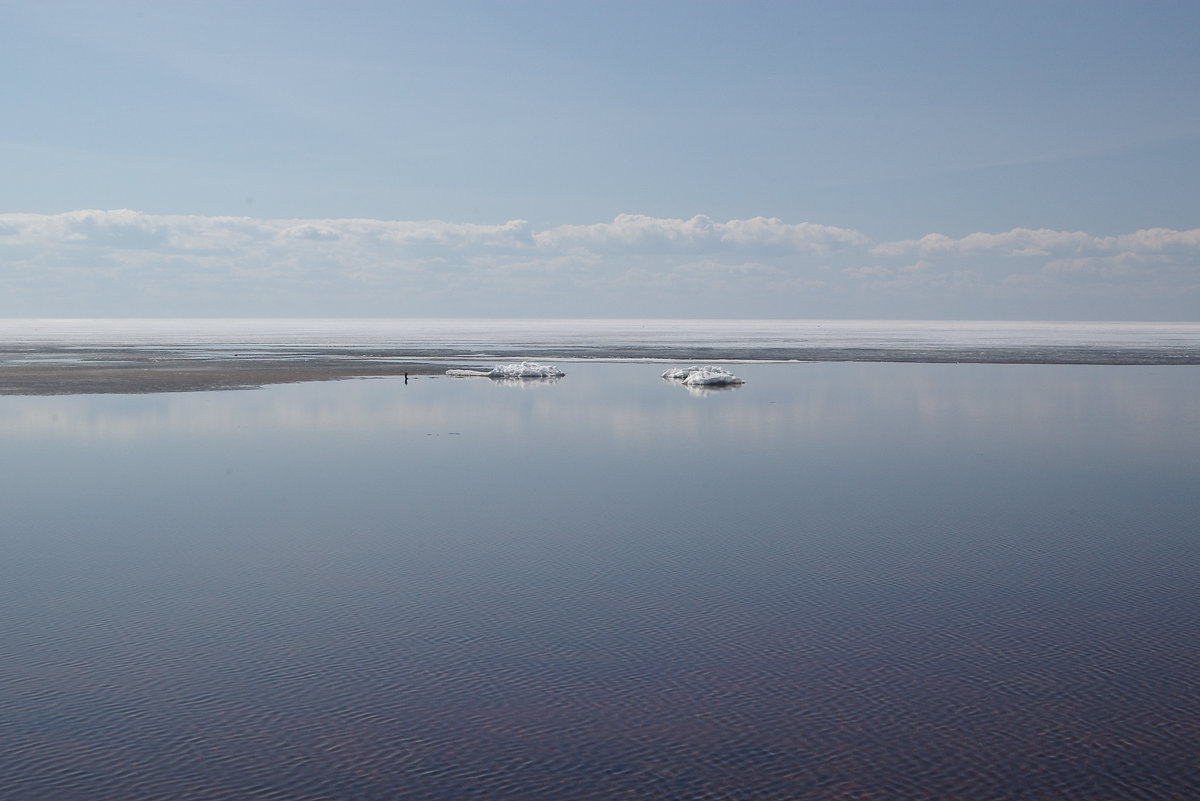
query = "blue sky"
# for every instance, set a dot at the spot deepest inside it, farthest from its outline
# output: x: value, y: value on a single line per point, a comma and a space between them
x: 893, y: 160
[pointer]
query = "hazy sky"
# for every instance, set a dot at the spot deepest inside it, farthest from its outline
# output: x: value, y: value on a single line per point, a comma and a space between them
x: 890, y: 159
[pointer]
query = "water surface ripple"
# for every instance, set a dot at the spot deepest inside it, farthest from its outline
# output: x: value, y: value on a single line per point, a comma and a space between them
x: 839, y: 582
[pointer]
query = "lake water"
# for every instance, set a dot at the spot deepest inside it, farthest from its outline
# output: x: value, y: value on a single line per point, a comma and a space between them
x: 840, y: 580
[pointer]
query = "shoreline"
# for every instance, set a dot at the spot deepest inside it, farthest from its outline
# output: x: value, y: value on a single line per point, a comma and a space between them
x: 78, y: 370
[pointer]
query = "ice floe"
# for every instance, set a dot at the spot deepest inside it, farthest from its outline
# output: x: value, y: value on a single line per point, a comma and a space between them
x: 708, y: 376
x: 524, y: 370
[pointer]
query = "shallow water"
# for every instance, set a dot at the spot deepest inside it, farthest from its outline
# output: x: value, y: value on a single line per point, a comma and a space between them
x: 913, y: 581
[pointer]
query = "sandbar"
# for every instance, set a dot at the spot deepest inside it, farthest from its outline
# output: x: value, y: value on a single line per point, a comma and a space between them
x: 136, y: 371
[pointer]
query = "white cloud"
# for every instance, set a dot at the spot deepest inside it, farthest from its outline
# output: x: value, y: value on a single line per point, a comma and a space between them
x: 1156, y: 240
x: 1028, y: 243
x: 128, y: 262
x: 640, y: 232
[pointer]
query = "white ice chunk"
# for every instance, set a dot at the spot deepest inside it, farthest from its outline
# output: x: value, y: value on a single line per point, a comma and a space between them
x: 522, y: 370
x: 526, y: 370
x: 708, y: 376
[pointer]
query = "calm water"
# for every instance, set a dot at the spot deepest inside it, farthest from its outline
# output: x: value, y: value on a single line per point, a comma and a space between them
x: 838, y: 581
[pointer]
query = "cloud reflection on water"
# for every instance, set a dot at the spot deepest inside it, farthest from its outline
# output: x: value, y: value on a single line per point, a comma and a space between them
x: 805, y: 402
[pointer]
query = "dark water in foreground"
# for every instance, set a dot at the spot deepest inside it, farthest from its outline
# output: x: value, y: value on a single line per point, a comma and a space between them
x: 839, y: 581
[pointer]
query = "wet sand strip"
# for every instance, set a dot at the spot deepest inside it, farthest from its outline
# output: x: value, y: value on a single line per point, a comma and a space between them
x: 131, y: 373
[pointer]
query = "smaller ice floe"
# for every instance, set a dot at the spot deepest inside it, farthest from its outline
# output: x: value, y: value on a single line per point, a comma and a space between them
x: 524, y: 370
x: 708, y: 376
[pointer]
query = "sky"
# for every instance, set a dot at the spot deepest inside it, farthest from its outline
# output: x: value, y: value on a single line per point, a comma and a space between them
x: 893, y: 160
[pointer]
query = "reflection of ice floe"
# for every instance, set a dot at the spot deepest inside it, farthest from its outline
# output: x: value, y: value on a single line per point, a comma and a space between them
x: 708, y: 376
x: 704, y: 390
x: 509, y: 372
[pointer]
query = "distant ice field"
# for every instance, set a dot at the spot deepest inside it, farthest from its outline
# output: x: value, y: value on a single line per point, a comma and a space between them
x: 735, y: 340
